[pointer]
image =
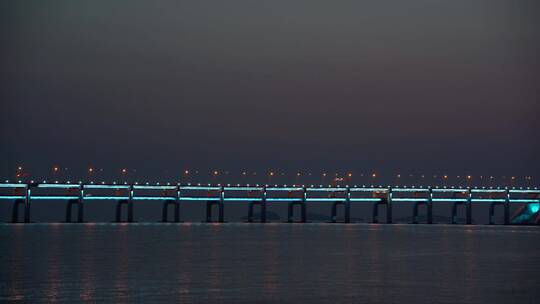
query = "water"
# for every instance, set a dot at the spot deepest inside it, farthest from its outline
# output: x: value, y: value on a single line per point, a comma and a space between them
x: 269, y: 263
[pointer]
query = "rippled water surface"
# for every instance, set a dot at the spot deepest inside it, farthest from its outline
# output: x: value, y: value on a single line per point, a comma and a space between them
x: 258, y: 263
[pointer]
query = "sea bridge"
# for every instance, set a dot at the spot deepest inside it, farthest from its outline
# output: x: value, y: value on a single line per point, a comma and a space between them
x: 263, y: 196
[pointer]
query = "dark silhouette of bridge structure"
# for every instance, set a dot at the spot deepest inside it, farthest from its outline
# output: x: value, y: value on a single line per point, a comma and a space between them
x: 77, y: 195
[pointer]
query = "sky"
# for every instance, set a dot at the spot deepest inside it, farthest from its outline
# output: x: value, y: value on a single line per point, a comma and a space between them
x: 392, y: 87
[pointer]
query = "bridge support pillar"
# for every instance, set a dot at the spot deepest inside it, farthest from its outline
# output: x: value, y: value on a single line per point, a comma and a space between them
x: 429, y: 212
x: 290, y: 212
x: 388, y: 203
x: 263, y: 211
x: 27, y: 206
x: 129, y: 204
x: 80, y: 210
x: 468, y: 212
x: 221, y: 212
x: 15, y: 211
x: 347, y: 207
x: 388, y: 212
x: 164, y: 215
x: 506, y: 207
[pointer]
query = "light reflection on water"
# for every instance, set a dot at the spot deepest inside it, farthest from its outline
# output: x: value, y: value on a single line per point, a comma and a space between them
x: 245, y: 263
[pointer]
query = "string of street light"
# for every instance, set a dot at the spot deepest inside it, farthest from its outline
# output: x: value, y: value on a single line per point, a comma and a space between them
x: 59, y: 172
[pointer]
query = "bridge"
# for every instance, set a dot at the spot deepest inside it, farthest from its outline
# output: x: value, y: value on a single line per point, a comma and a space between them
x: 263, y: 196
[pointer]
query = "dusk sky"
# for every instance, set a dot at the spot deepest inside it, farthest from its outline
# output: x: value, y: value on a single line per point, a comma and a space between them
x: 368, y: 86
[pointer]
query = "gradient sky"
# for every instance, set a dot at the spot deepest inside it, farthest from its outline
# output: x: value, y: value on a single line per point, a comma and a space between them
x: 386, y: 86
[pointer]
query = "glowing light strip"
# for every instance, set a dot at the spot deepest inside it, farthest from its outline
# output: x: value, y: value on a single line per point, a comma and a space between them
x: 243, y: 199
x: 51, y: 197
x: 199, y: 198
x: 13, y: 185
x: 12, y: 197
x: 326, y: 189
x: 243, y: 188
x: 449, y: 190
x: 154, y: 198
x: 488, y: 190
x: 154, y: 187
x: 275, y: 199
x: 450, y: 200
x: 365, y: 199
x: 488, y: 200
x: 409, y: 199
x: 369, y: 189
x: 524, y: 191
x: 106, y: 186
x: 523, y: 200
x: 63, y: 186
x: 199, y: 188
x: 410, y: 190
x: 106, y: 198
x: 285, y: 189
x: 324, y: 199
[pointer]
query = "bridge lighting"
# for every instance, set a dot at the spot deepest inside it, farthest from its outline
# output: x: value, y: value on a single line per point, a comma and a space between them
x: 55, y: 169
x: 186, y: 172
x: 271, y: 173
x: 513, y: 177
x: 399, y: 175
x: 215, y: 172
x: 324, y: 174
x: 373, y: 175
x: 469, y: 177
x: 445, y: 176
x: 124, y: 171
x: 350, y: 174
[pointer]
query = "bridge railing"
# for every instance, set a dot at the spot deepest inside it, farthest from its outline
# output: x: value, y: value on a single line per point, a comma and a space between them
x: 76, y: 194
x: 68, y: 191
